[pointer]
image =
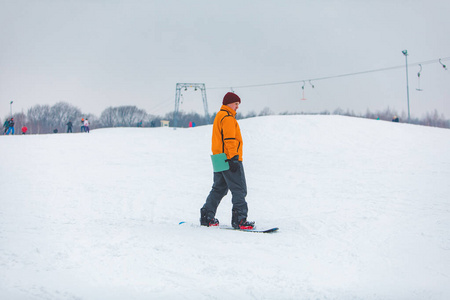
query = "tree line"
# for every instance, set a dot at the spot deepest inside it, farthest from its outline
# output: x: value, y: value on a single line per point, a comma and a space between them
x: 42, y: 119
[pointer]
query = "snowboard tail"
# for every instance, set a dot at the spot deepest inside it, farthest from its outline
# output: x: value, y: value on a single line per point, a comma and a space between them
x: 256, y: 229
x: 227, y: 227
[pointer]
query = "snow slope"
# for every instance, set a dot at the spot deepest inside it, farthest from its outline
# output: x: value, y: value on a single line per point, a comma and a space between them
x: 363, y: 208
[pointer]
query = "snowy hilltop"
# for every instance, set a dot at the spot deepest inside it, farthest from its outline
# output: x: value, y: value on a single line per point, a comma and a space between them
x: 363, y: 208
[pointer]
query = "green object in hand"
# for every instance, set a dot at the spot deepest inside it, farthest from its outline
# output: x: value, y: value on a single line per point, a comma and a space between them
x: 219, y: 162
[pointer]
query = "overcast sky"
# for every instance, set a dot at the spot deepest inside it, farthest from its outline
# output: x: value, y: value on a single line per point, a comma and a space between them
x: 100, y: 53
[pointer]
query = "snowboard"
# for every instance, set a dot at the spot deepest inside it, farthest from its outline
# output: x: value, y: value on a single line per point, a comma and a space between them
x: 227, y: 227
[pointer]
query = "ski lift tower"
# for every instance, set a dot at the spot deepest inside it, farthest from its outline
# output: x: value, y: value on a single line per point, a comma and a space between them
x: 185, y: 86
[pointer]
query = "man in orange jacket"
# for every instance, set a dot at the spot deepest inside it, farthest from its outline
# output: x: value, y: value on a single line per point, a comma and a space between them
x: 227, y: 138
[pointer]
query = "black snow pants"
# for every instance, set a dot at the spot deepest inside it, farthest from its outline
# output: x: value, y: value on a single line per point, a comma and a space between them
x: 224, y: 181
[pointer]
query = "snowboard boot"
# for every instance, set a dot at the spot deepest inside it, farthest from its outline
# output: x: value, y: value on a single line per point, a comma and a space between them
x: 245, y: 225
x: 242, y: 224
x: 205, y: 221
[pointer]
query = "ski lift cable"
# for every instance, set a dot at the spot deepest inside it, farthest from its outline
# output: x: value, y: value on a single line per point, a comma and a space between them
x: 335, y: 76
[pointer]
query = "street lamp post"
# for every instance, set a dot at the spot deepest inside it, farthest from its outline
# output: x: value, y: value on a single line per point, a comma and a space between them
x: 10, y: 108
x: 405, y: 53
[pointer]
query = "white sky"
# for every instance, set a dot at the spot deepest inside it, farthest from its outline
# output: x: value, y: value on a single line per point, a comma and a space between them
x: 100, y: 53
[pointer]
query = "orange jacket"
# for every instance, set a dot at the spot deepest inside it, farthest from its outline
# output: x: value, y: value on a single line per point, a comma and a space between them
x: 226, y: 135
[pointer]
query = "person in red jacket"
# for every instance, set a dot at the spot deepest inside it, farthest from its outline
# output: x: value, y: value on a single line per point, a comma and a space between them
x: 24, y: 129
x: 227, y: 138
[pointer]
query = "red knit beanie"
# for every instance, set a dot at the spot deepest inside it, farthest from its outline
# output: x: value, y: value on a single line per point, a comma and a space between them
x: 230, y: 98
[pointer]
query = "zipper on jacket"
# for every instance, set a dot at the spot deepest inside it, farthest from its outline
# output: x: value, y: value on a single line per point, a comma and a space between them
x: 221, y: 131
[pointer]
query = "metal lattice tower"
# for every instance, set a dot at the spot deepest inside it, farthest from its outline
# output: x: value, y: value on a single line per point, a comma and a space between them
x: 185, y: 86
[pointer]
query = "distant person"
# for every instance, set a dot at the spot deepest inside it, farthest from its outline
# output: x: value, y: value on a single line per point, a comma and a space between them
x: 395, y: 119
x: 69, y: 127
x: 10, y: 127
x: 86, y: 125
x: 55, y: 130
x: 82, y: 125
x: 24, y: 129
x: 227, y: 138
x: 5, y: 126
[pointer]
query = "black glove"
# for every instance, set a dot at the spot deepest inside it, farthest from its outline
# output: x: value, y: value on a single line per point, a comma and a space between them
x: 234, y: 163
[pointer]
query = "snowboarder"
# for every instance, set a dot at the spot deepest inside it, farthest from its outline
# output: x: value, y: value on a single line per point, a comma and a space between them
x: 10, y: 127
x: 86, y: 125
x: 69, y: 126
x: 227, y: 138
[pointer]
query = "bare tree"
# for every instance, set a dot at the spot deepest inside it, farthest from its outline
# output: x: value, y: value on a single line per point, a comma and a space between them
x: 61, y: 113
x: 250, y: 114
x: 38, y: 118
x: 266, y: 112
x: 20, y: 120
x: 108, y: 118
x: 130, y: 115
x: 435, y: 120
x: 127, y: 116
x: 44, y: 119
